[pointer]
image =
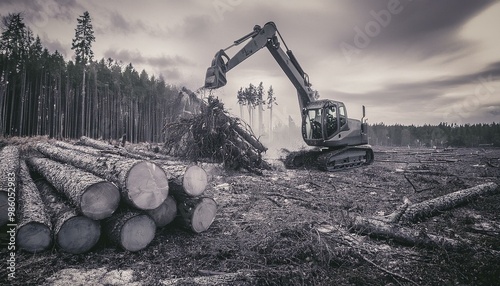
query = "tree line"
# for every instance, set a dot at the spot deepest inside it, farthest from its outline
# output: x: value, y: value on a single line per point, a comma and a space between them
x: 441, y: 135
x: 253, y: 98
x: 43, y: 94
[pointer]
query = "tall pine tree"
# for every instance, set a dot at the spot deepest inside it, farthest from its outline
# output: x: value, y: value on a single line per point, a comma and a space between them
x: 82, y: 44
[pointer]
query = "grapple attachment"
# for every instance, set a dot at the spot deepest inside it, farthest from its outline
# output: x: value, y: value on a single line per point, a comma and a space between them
x: 216, y: 74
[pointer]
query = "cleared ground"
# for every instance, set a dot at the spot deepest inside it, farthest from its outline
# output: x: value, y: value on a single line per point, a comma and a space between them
x: 291, y: 227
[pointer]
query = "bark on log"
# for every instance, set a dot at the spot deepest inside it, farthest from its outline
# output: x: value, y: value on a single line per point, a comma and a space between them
x: 197, y: 214
x: 404, y: 235
x: 241, y: 277
x: 80, y: 148
x: 130, y: 230
x: 109, y: 148
x: 142, y: 184
x: 250, y: 138
x: 34, y: 226
x: 9, y: 170
x: 94, y: 197
x: 146, y: 153
x: 434, y: 206
x: 185, y: 181
x: 73, y: 233
x: 165, y: 213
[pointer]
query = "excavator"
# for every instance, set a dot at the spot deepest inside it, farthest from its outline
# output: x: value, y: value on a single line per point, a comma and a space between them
x: 340, y: 142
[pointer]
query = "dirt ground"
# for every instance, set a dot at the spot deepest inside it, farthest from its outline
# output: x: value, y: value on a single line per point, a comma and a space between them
x: 291, y: 227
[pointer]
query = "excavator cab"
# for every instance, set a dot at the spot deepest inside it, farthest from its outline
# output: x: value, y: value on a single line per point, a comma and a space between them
x: 216, y: 73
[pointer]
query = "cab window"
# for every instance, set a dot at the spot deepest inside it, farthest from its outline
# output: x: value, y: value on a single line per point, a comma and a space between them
x: 342, y: 116
x: 331, y: 121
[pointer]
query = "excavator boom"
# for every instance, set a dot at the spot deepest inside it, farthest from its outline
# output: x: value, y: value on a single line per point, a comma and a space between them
x: 260, y: 38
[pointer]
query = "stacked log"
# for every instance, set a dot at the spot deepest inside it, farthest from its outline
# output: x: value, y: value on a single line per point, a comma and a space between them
x: 94, y: 197
x: 165, y: 213
x: 143, y: 184
x: 34, y: 225
x: 184, y: 181
x: 76, y: 200
x: 9, y: 167
x: 73, y: 233
x: 187, y: 186
x: 197, y: 214
x: 131, y: 230
x: 108, y: 148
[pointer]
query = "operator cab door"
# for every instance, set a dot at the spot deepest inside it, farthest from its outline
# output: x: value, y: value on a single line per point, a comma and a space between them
x: 331, y: 121
x: 312, y: 124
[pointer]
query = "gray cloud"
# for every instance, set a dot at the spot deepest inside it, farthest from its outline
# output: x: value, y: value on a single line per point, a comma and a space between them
x: 421, y: 29
x: 135, y: 57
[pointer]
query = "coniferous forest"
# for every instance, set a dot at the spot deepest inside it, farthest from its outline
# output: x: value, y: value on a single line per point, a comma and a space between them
x: 42, y: 93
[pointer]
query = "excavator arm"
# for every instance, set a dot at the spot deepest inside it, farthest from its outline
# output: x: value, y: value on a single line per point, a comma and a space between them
x: 266, y: 36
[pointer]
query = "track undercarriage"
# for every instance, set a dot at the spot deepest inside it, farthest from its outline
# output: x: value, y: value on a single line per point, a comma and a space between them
x: 331, y: 159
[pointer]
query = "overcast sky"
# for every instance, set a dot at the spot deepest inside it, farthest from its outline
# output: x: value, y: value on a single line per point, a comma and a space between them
x: 410, y: 62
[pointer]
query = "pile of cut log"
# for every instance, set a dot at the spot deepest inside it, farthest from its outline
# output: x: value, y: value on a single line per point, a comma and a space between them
x: 67, y: 194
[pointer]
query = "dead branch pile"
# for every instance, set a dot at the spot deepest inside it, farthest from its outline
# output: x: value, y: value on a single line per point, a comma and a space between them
x: 215, y: 135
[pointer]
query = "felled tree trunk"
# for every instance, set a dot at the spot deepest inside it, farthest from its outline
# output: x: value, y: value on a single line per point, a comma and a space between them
x: 34, y: 226
x: 73, y: 233
x: 250, y: 138
x: 165, y: 213
x: 186, y: 181
x: 130, y: 230
x: 9, y: 170
x: 197, y: 214
x: 80, y: 148
x: 404, y: 235
x: 108, y: 148
x: 432, y: 207
x: 94, y: 197
x: 142, y: 184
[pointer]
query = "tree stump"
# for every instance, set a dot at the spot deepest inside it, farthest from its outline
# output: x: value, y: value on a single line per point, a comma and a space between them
x: 93, y: 196
x: 197, y: 214
x: 130, y: 230
x: 73, y: 233
x: 9, y: 170
x: 165, y: 213
x: 34, y: 226
x: 142, y: 184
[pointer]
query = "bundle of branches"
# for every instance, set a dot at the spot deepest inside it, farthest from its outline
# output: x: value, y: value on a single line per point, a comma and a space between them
x: 215, y: 135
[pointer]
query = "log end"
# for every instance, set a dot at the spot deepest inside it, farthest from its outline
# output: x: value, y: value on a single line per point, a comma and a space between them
x: 100, y: 200
x: 34, y: 237
x: 165, y: 213
x: 147, y: 185
x: 203, y: 215
x: 78, y: 234
x: 195, y: 180
x: 137, y: 232
x: 4, y: 208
